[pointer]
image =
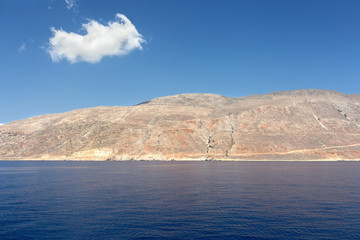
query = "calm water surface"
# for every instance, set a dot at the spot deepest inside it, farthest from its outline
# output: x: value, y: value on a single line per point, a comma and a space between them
x: 179, y: 200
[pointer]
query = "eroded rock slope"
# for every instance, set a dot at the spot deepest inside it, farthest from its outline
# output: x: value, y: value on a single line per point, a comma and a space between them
x: 291, y: 125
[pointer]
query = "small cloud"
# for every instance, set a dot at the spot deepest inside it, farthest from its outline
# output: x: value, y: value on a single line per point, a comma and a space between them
x: 22, y: 47
x: 2, y: 124
x: 114, y: 39
x: 70, y: 4
x: 50, y: 3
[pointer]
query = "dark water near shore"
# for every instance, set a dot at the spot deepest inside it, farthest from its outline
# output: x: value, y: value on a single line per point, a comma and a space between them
x: 179, y: 200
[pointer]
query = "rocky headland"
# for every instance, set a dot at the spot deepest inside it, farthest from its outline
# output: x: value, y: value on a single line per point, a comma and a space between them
x: 289, y: 125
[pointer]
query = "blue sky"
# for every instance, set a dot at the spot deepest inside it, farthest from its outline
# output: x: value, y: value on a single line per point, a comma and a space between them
x: 232, y: 48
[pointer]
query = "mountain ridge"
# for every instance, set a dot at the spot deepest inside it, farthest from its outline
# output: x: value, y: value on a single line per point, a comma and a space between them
x: 289, y: 125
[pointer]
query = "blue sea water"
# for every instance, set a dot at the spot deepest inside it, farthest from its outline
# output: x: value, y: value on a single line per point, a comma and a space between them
x: 179, y: 200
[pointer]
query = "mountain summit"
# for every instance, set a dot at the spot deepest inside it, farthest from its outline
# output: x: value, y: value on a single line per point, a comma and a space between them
x: 290, y: 125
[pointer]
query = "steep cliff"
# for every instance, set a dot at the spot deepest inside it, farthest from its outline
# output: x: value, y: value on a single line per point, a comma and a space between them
x: 290, y: 125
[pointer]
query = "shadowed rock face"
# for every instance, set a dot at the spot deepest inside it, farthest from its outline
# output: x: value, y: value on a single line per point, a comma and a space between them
x: 290, y: 125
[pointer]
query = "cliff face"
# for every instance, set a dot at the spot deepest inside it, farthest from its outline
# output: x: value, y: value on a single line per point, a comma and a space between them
x: 297, y: 125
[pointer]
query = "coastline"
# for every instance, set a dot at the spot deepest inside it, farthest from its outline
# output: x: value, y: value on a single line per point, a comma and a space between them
x: 179, y: 160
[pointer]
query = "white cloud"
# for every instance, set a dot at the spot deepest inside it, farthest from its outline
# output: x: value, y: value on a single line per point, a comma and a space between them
x: 114, y: 39
x: 22, y: 47
x: 2, y: 124
x: 70, y: 4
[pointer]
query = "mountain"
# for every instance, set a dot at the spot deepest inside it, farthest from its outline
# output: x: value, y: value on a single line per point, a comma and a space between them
x: 290, y: 125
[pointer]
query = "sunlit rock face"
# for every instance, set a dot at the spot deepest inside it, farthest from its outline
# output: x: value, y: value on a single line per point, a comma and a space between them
x: 290, y: 125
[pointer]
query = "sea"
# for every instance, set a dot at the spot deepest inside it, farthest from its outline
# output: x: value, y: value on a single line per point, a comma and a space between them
x: 179, y: 200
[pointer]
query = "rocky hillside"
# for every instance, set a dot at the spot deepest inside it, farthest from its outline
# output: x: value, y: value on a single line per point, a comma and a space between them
x: 291, y: 125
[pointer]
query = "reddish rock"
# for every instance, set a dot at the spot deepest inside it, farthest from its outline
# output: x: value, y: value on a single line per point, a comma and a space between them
x: 290, y: 125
